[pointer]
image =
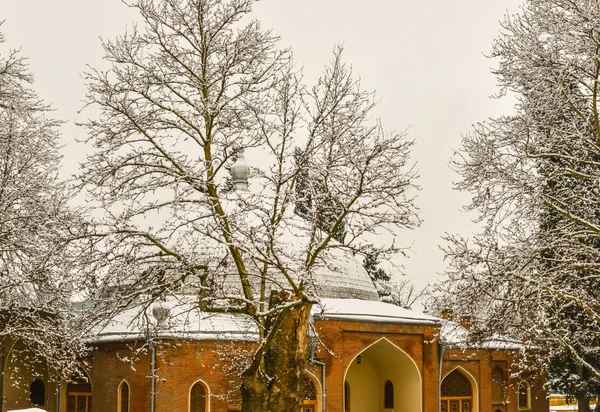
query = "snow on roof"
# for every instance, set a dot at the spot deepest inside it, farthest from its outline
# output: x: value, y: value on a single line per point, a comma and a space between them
x: 370, y: 311
x: 454, y: 334
x: 186, y: 321
x: 337, y: 272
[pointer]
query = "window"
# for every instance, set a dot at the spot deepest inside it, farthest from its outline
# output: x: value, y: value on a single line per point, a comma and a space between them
x: 198, y: 398
x: 123, y: 402
x: 346, y: 396
x: 388, y: 397
x: 456, y: 385
x: 498, y: 385
x: 457, y: 393
x: 37, y: 393
x: 524, y: 395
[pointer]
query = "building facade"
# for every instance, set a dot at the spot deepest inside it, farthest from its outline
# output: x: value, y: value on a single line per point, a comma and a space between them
x: 372, y: 356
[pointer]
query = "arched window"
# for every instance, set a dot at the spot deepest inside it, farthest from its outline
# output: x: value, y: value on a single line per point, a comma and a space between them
x: 456, y: 385
x: 346, y: 396
x: 37, y: 393
x: 388, y: 398
x: 457, y: 393
x: 524, y: 395
x: 198, y: 398
x: 124, y: 395
x: 498, y: 385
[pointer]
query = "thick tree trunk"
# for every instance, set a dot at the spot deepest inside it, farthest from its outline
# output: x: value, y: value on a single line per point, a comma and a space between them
x: 273, y: 383
x: 583, y: 404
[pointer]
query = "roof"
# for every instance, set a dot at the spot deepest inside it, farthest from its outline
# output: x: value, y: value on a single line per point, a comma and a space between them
x: 336, y: 273
x: 453, y: 334
x: 186, y: 321
x: 370, y: 311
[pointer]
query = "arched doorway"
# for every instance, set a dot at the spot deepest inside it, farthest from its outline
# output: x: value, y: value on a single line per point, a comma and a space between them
x: 457, y: 393
x: 79, y: 393
x: 382, y: 375
x: 309, y: 394
x: 37, y: 393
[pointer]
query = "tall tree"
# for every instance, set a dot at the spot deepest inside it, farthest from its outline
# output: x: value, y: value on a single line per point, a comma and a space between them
x: 532, y: 272
x: 36, y: 223
x: 196, y: 85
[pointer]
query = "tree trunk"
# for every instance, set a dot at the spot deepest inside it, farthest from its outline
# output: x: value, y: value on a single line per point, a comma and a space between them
x: 273, y: 383
x: 583, y: 404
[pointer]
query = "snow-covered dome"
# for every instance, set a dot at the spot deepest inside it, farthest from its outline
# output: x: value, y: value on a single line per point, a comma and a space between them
x: 343, y: 276
x: 336, y: 273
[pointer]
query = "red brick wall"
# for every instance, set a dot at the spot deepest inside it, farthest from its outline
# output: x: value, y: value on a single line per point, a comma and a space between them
x: 346, y: 339
x: 179, y: 365
x: 480, y: 363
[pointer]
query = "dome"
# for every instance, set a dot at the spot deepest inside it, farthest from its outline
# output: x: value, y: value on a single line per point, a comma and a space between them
x: 342, y: 276
x: 337, y: 272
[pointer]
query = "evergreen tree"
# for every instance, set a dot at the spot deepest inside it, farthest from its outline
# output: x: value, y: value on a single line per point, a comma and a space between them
x: 400, y: 293
x: 314, y: 201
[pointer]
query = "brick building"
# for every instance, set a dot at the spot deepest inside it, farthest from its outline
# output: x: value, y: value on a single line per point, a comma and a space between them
x: 371, y: 356
x: 379, y: 357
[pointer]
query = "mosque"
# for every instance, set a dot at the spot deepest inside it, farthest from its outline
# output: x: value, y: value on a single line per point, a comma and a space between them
x: 369, y: 356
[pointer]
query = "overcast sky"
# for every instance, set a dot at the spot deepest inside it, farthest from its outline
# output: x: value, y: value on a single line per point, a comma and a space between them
x: 425, y: 59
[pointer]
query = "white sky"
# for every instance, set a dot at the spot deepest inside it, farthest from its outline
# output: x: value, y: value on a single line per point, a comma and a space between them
x: 424, y: 58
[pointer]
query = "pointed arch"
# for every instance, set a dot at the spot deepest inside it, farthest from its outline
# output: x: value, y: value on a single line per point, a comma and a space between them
x: 24, y: 365
x: 80, y: 382
x: 498, y: 385
x: 474, y: 407
x: 384, y: 339
x: 371, y: 367
x: 524, y: 395
x: 199, y: 397
x: 124, y: 397
x: 318, y: 389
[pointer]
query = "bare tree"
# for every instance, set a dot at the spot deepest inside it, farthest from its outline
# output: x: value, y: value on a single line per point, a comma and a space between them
x: 401, y: 293
x: 36, y: 284
x: 187, y: 93
x: 533, y: 270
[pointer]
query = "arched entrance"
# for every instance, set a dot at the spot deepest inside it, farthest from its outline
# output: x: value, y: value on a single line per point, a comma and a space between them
x: 79, y: 393
x: 457, y: 393
x: 310, y: 394
x: 382, y: 378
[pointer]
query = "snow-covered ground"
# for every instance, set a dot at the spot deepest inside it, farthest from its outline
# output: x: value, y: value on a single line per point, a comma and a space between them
x: 29, y: 410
